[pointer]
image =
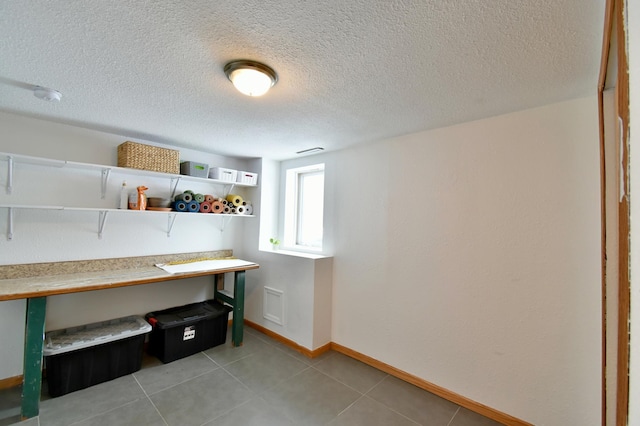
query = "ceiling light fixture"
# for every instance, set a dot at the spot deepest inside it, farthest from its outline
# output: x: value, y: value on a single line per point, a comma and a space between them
x: 310, y: 150
x: 251, y: 78
x: 47, y: 94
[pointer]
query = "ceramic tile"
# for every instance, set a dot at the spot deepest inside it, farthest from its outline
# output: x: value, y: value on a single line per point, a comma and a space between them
x: 261, y: 383
x: 15, y: 420
x: 466, y: 417
x: 265, y: 368
x: 138, y: 413
x: 200, y: 399
x: 10, y: 405
x: 255, y: 412
x: 367, y: 412
x: 311, y: 398
x: 410, y: 401
x: 85, y: 403
x: 227, y: 353
x: 292, y: 352
x: 154, y: 378
x: 351, y: 372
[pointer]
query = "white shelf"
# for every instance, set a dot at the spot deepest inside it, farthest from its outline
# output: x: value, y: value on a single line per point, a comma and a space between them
x: 18, y: 158
x: 103, y: 213
x: 105, y: 173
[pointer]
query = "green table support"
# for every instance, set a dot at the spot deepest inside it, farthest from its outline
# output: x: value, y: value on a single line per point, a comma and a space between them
x: 237, y: 302
x: 33, y: 344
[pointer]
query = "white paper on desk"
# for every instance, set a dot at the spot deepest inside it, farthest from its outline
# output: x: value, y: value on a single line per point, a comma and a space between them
x: 203, y: 265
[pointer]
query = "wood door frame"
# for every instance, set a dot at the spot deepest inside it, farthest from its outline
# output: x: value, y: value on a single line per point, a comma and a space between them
x: 615, y: 21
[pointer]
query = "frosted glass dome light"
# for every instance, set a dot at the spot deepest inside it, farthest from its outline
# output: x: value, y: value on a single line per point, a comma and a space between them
x: 251, y: 78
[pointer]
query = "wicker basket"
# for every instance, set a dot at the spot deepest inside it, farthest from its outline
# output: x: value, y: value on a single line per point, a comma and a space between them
x: 146, y: 157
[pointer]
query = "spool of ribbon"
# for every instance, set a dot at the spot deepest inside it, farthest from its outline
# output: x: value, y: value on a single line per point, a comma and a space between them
x: 236, y: 200
x: 240, y: 210
x: 209, y: 198
x: 180, y: 206
x: 193, y: 206
x: 205, y: 207
x: 185, y: 196
x: 217, y: 207
x: 199, y: 198
x: 248, y: 209
x: 226, y: 210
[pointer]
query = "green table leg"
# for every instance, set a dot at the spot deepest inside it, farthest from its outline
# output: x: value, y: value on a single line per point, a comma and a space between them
x: 33, y: 344
x: 238, y: 309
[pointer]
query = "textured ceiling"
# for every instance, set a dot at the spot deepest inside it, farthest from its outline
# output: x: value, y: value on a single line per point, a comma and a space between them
x: 350, y: 71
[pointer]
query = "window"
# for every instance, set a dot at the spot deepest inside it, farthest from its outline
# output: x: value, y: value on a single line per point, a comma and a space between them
x: 304, y: 205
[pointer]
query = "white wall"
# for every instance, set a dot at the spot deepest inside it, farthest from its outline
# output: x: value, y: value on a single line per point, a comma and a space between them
x: 469, y: 256
x: 42, y: 236
x: 633, y: 43
x: 305, y: 282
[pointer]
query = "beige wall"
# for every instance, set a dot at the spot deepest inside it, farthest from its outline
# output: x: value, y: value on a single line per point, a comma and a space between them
x: 469, y: 256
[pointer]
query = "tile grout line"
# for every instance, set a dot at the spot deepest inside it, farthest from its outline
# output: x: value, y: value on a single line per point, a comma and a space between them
x: 103, y: 412
x: 364, y: 395
x: 349, y: 406
x: 185, y: 380
x: 254, y: 393
x: 454, y: 416
x: 149, y: 399
x: 339, y: 381
x: 385, y: 405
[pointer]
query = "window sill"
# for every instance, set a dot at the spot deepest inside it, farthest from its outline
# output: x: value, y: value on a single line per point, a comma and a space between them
x: 305, y: 255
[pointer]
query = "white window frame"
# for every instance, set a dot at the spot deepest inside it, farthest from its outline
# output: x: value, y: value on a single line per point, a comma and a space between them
x: 292, y: 211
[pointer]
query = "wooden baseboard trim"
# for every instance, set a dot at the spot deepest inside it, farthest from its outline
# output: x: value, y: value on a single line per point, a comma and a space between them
x: 435, y: 389
x: 293, y: 345
x: 10, y: 382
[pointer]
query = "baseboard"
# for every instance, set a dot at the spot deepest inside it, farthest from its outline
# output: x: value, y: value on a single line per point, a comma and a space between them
x: 460, y: 400
x: 293, y: 345
x: 10, y: 382
x: 435, y: 389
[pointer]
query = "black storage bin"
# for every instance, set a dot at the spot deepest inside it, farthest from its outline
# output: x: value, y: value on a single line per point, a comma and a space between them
x: 185, y: 330
x: 79, y: 357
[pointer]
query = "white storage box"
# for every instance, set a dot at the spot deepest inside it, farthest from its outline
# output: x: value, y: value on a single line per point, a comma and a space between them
x: 220, y: 173
x: 248, y: 178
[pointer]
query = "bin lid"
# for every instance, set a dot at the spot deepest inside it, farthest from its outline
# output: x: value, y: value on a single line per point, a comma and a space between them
x: 70, y: 339
x: 187, y: 314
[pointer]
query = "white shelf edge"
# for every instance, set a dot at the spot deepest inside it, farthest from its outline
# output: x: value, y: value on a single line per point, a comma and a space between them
x: 124, y: 170
x: 31, y: 207
x: 98, y: 209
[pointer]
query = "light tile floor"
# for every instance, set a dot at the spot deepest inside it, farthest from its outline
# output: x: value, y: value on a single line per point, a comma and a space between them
x: 262, y: 383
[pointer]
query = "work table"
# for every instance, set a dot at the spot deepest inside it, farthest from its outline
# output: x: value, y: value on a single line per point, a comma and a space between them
x: 34, y: 282
x: 50, y: 285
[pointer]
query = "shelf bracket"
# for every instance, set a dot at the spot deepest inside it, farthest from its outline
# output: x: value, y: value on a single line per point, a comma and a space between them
x: 102, y: 218
x: 9, y: 174
x: 170, y: 221
x: 173, y: 186
x: 225, y: 222
x: 105, y: 179
x: 10, y: 224
x: 227, y: 192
